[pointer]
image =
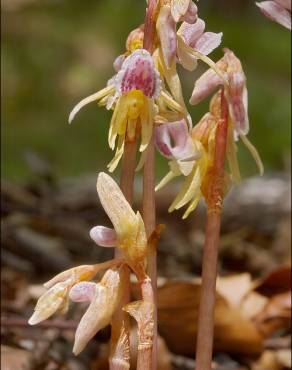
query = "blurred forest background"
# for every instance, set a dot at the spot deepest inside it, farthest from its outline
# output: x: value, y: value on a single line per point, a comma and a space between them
x: 55, y: 52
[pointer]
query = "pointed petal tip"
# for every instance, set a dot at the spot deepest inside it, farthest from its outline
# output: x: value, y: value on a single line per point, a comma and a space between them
x: 76, y: 349
x: 35, y: 319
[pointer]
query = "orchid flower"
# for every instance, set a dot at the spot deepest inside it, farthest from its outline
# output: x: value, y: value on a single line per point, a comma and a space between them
x: 194, y: 43
x: 236, y: 94
x: 187, y: 45
x: 56, y: 297
x: 189, y: 158
x: 104, y: 297
x: 129, y: 231
x: 278, y: 11
x: 132, y: 93
x: 190, y: 43
x: 170, y: 13
x: 130, y: 236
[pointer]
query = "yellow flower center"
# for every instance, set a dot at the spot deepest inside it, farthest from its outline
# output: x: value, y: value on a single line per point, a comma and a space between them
x: 135, y: 102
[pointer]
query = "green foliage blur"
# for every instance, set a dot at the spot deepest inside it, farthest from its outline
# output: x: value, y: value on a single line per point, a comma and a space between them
x: 55, y: 52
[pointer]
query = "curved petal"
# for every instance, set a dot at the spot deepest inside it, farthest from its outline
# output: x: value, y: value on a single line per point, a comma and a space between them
x: 190, y: 33
x: 115, y: 205
x: 166, y: 28
x: 208, y: 42
x: 97, y: 96
x: 173, y: 132
x: 76, y: 274
x: 103, y: 236
x: 99, y: 313
x: 276, y: 13
x: 179, y: 8
x: 205, y: 85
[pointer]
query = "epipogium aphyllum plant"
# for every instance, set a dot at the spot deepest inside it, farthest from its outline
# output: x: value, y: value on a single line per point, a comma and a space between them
x: 148, y: 110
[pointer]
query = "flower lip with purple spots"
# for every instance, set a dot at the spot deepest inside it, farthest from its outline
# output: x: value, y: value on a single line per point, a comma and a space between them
x: 138, y: 72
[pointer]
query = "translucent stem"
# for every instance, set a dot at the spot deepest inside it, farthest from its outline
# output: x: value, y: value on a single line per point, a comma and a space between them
x: 210, y: 256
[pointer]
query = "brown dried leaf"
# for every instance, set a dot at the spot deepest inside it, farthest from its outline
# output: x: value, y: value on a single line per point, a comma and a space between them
x: 275, y: 315
x: 178, y: 304
x: 15, y: 359
x: 234, y: 288
x: 278, y: 281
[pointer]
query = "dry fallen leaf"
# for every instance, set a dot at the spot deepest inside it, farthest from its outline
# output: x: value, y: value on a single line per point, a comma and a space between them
x: 178, y: 304
x: 15, y: 359
x: 234, y: 288
x: 275, y: 315
x: 278, y: 281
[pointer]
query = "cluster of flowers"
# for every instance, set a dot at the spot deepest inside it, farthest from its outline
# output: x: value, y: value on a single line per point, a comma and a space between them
x: 146, y: 98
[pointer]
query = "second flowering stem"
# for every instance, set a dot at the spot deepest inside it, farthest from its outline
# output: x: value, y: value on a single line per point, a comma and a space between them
x: 210, y: 256
x: 120, y: 341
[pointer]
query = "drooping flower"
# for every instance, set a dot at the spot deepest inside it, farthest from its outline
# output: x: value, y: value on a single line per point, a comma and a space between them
x: 236, y: 94
x: 278, y: 11
x: 132, y: 94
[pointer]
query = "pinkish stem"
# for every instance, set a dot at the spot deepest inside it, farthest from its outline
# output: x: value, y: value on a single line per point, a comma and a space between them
x: 120, y: 339
x: 210, y: 257
x: 149, y: 213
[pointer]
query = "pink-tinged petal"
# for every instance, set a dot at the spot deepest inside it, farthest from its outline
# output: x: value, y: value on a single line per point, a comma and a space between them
x: 179, y: 8
x: 103, y: 236
x: 166, y: 28
x: 238, y: 102
x: 119, y: 62
x: 191, y: 15
x: 164, y: 134
x: 205, y: 85
x: 276, y: 13
x: 238, y: 108
x: 139, y: 73
x: 174, y: 141
x: 190, y: 33
x: 208, y: 42
x: 83, y: 292
x: 284, y: 3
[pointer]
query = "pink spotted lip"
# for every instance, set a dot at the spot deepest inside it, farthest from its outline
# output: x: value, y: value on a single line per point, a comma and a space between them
x: 138, y: 72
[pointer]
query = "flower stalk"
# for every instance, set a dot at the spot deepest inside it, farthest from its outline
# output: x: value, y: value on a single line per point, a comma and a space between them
x: 120, y: 336
x: 147, y: 356
x: 210, y: 256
